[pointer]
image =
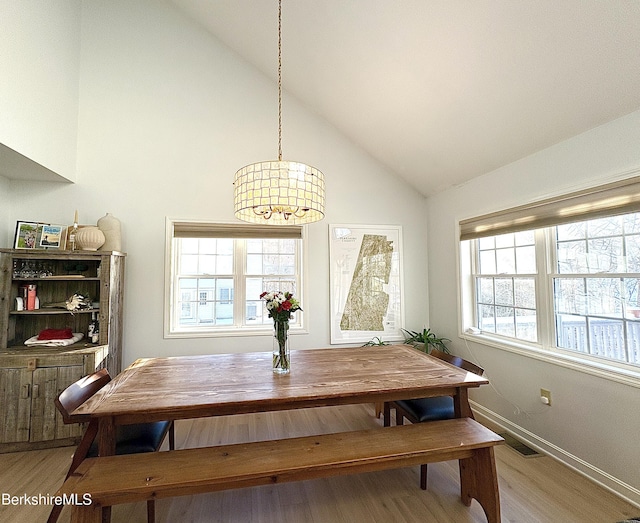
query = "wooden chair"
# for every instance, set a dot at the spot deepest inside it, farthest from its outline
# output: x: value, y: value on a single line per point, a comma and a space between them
x: 130, y: 439
x: 429, y: 409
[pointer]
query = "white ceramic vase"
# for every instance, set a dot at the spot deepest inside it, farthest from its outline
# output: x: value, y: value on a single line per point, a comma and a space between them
x: 110, y: 227
x: 89, y: 238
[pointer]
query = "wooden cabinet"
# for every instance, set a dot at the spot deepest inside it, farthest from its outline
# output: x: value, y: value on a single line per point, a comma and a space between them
x: 30, y: 379
x: 32, y: 376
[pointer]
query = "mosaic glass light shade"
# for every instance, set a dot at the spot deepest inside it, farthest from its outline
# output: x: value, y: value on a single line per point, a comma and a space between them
x: 279, y: 193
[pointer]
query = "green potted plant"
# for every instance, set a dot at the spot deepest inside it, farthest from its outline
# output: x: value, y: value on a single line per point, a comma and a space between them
x: 375, y: 342
x: 425, y: 340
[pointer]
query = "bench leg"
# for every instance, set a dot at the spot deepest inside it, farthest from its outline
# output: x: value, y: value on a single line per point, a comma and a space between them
x: 479, y: 480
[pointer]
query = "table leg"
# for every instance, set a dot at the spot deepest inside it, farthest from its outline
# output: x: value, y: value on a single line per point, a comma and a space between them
x: 106, y: 437
x: 461, y: 403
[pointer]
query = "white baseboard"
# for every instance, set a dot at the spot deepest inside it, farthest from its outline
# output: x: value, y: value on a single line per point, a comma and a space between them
x: 602, y: 478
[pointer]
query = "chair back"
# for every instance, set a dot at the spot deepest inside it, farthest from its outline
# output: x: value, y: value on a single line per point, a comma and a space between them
x: 457, y: 361
x: 79, y: 392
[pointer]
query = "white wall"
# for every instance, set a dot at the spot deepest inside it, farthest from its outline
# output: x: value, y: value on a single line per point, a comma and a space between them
x: 167, y: 115
x: 591, y: 418
x: 40, y: 46
x: 5, y: 213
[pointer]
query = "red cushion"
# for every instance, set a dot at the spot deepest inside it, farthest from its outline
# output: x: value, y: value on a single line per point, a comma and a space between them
x: 55, y: 334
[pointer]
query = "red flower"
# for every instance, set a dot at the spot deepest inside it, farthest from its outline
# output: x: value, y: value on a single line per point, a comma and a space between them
x: 286, y: 305
x: 263, y: 294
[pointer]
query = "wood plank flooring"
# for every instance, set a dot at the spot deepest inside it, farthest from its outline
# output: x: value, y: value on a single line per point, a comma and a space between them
x: 532, y: 490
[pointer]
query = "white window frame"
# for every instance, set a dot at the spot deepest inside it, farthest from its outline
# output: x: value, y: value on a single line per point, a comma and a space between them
x: 544, y: 349
x: 299, y: 327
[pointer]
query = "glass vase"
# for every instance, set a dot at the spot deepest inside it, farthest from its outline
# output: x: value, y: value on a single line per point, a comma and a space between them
x: 281, y: 356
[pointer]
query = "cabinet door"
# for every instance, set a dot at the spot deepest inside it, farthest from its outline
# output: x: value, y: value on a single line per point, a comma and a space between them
x: 15, y: 407
x: 43, y: 409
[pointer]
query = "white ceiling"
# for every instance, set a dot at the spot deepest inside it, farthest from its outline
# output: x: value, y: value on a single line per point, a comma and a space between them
x: 444, y: 91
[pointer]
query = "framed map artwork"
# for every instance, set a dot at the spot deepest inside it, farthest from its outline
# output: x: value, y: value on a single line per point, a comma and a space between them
x: 366, y: 290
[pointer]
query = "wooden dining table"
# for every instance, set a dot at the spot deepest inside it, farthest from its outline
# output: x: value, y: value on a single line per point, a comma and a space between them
x: 185, y: 387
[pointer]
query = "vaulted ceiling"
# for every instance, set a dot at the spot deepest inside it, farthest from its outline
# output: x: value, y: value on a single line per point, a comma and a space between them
x: 444, y: 91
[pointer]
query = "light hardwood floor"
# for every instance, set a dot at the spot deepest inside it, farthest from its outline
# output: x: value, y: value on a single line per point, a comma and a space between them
x: 531, y: 489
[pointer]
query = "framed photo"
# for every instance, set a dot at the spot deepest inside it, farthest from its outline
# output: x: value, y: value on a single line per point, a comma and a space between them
x: 27, y: 235
x: 366, y: 291
x: 53, y: 237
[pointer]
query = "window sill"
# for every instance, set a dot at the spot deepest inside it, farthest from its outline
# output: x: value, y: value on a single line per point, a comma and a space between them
x: 263, y: 330
x: 601, y: 369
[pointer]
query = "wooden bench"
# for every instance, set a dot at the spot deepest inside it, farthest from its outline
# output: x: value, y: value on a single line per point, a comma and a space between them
x: 114, y: 480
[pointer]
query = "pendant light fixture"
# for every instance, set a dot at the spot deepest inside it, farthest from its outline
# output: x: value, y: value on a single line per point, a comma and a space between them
x: 279, y: 192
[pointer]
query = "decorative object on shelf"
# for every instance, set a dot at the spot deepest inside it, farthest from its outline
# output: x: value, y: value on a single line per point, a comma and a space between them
x: 279, y: 192
x: 71, y: 233
x: 27, y: 235
x: 280, y: 306
x: 93, y: 332
x: 73, y: 303
x: 53, y: 237
x: 89, y: 238
x: 54, y: 342
x: 111, y: 228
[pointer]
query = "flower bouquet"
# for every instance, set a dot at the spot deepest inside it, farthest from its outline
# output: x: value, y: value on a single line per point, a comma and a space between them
x: 280, y: 306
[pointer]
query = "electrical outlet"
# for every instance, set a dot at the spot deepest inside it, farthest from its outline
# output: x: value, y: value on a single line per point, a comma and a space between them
x: 545, y: 396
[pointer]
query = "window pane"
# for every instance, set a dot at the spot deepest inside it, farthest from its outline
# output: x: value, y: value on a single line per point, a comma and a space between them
x: 207, y: 246
x: 605, y: 255
x: 504, y: 291
x: 526, y: 260
x: 506, y: 261
x: 207, y: 264
x: 571, y: 332
x: 486, y: 318
x: 485, y: 291
x: 572, y: 257
x: 632, y: 247
x: 631, y: 222
x: 570, y: 295
x: 487, y: 262
x: 607, y: 338
x: 604, y: 296
x: 486, y: 243
x: 505, y: 321
x: 505, y: 240
x: 611, y: 226
x: 633, y: 341
x: 188, y: 264
x: 572, y: 231
x: 525, y: 292
x: 525, y: 238
x: 526, y: 325
x: 225, y: 264
x: 254, y: 264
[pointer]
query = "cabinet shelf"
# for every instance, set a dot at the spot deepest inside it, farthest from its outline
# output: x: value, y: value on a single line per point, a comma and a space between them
x: 46, y: 311
x: 69, y: 277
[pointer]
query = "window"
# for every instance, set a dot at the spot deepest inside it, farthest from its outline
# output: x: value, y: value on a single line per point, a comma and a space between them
x: 218, y: 271
x: 569, y: 287
x: 505, y: 285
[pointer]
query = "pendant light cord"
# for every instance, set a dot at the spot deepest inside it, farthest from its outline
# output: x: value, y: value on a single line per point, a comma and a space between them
x: 279, y: 80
